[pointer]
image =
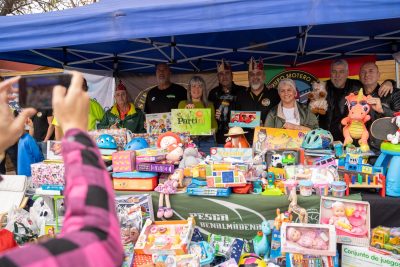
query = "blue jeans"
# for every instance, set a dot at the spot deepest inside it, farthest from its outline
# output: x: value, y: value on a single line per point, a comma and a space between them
x: 204, y: 143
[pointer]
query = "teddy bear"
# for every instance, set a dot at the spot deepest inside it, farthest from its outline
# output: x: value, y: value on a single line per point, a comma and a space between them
x: 317, y: 96
x: 191, y: 157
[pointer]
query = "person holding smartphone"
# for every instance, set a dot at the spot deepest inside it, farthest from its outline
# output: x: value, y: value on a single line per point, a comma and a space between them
x: 90, y: 234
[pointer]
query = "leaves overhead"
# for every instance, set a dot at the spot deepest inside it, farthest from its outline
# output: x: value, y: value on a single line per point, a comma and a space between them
x: 22, y: 7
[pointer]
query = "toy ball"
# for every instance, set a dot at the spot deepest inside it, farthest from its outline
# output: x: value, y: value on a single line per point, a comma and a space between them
x: 137, y: 144
x: 106, y: 141
x: 251, y: 260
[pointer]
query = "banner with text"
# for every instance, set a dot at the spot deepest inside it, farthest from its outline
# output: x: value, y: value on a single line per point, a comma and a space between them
x: 193, y: 121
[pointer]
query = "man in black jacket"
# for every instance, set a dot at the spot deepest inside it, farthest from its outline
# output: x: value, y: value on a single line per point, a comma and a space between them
x: 338, y: 87
x: 224, y: 97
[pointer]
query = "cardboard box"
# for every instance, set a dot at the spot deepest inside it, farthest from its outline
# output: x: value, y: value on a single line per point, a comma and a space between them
x: 155, y: 167
x: 47, y: 173
x: 361, y: 256
x: 310, y: 239
x: 141, y: 181
x: 353, y: 227
x: 123, y: 161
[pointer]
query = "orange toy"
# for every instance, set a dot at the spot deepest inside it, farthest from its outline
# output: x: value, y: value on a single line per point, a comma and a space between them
x: 236, y: 138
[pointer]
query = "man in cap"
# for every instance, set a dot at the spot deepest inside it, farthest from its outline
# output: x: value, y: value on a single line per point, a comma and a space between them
x: 166, y: 95
x: 123, y: 113
x: 224, y: 97
x: 258, y: 97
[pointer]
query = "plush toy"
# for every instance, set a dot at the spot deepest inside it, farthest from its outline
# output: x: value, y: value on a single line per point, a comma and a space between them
x: 395, y: 138
x: 317, y: 96
x: 166, y: 139
x: 168, y: 187
x: 236, y: 138
x: 191, y: 157
x: 354, y: 123
x: 175, y: 153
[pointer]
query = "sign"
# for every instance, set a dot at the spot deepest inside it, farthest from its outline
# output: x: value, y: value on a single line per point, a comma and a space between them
x: 157, y: 123
x: 193, y: 121
x: 353, y: 256
x: 245, y: 119
x: 276, y: 138
x: 302, y: 79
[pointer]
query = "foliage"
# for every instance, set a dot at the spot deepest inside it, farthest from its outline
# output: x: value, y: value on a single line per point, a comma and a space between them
x: 22, y: 7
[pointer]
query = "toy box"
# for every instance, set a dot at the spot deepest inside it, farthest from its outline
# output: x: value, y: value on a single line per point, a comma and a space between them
x: 195, y: 190
x: 220, y: 154
x: 312, y: 173
x: 230, y: 178
x: 47, y: 173
x: 176, y: 260
x: 123, y: 161
x: 386, y: 240
x: 353, y: 256
x: 310, y: 239
x: 54, y: 150
x: 165, y: 237
x: 125, y: 202
x: 284, y: 157
x: 292, y: 260
x: 155, y: 167
x: 351, y: 219
x: 148, y: 158
x: 141, y: 181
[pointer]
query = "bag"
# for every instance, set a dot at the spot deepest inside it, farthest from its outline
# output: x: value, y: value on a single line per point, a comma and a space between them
x: 122, y: 136
x: 23, y: 234
x: 6, y: 240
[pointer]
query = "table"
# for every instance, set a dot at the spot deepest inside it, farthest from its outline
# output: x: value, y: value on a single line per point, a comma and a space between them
x: 238, y: 215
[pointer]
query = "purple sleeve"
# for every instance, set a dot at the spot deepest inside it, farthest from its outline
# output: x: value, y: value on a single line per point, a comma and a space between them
x: 90, y: 234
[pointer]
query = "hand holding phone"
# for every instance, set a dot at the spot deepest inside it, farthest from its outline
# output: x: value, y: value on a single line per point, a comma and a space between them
x: 37, y: 90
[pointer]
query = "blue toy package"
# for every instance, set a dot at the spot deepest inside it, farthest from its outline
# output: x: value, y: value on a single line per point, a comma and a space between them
x: 194, y: 190
x: 203, y: 250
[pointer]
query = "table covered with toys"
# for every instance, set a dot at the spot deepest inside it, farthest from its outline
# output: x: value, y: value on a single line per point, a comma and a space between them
x: 289, y: 200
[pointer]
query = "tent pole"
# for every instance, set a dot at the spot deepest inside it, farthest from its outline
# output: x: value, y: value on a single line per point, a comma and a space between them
x: 397, y: 74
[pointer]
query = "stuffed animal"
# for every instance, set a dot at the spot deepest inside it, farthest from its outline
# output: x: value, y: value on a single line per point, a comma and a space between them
x: 317, y: 96
x: 191, y: 157
x: 175, y: 153
x: 395, y: 138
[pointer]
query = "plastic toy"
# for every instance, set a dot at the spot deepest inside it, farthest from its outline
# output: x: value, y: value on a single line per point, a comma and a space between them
x: 386, y: 238
x: 169, y: 187
x: 269, y: 182
x: 136, y: 144
x: 251, y: 259
x: 107, y: 144
x: 395, y: 138
x: 260, y: 241
x: 371, y: 177
x: 296, y: 209
x: 317, y: 96
x: 354, y: 123
x: 172, y: 237
x: 317, y: 139
x: 236, y: 138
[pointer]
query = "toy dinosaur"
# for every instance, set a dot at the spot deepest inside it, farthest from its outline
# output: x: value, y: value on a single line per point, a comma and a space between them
x: 354, y: 123
x: 260, y: 241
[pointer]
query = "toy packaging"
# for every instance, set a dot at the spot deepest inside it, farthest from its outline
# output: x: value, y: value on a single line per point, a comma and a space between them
x: 229, y: 263
x: 53, y: 150
x: 312, y: 173
x: 155, y: 167
x: 152, y: 139
x: 141, y: 181
x: 158, y: 123
x: 221, y: 154
x: 350, y: 218
x: 123, y: 161
x: 47, y: 173
x: 386, y: 240
x: 310, y: 239
x: 165, y: 237
x: 293, y: 260
x: 284, y: 157
x: 176, y: 260
x: 203, y: 251
x: 245, y: 119
x: 353, y: 256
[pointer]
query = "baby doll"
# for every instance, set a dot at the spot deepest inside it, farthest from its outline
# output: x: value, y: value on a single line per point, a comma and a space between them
x: 339, y: 218
x: 306, y: 239
x: 168, y: 187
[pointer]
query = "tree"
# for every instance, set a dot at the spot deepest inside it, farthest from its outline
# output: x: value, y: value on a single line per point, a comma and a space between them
x: 21, y: 7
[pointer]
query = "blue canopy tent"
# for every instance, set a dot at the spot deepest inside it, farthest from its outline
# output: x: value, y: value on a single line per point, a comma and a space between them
x: 128, y: 35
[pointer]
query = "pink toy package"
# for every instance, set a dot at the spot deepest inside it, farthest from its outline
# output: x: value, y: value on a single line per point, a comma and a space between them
x: 123, y: 161
x: 310, y: 239
x: 350, y: 218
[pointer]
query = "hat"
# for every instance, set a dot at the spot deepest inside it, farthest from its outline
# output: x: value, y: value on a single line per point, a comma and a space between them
x: 223, y: 66
x: 120, y: 87
x: 254, y: 65
x: 235, y: 131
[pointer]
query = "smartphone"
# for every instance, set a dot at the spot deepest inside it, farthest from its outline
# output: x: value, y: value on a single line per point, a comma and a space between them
x: 36, y: 91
